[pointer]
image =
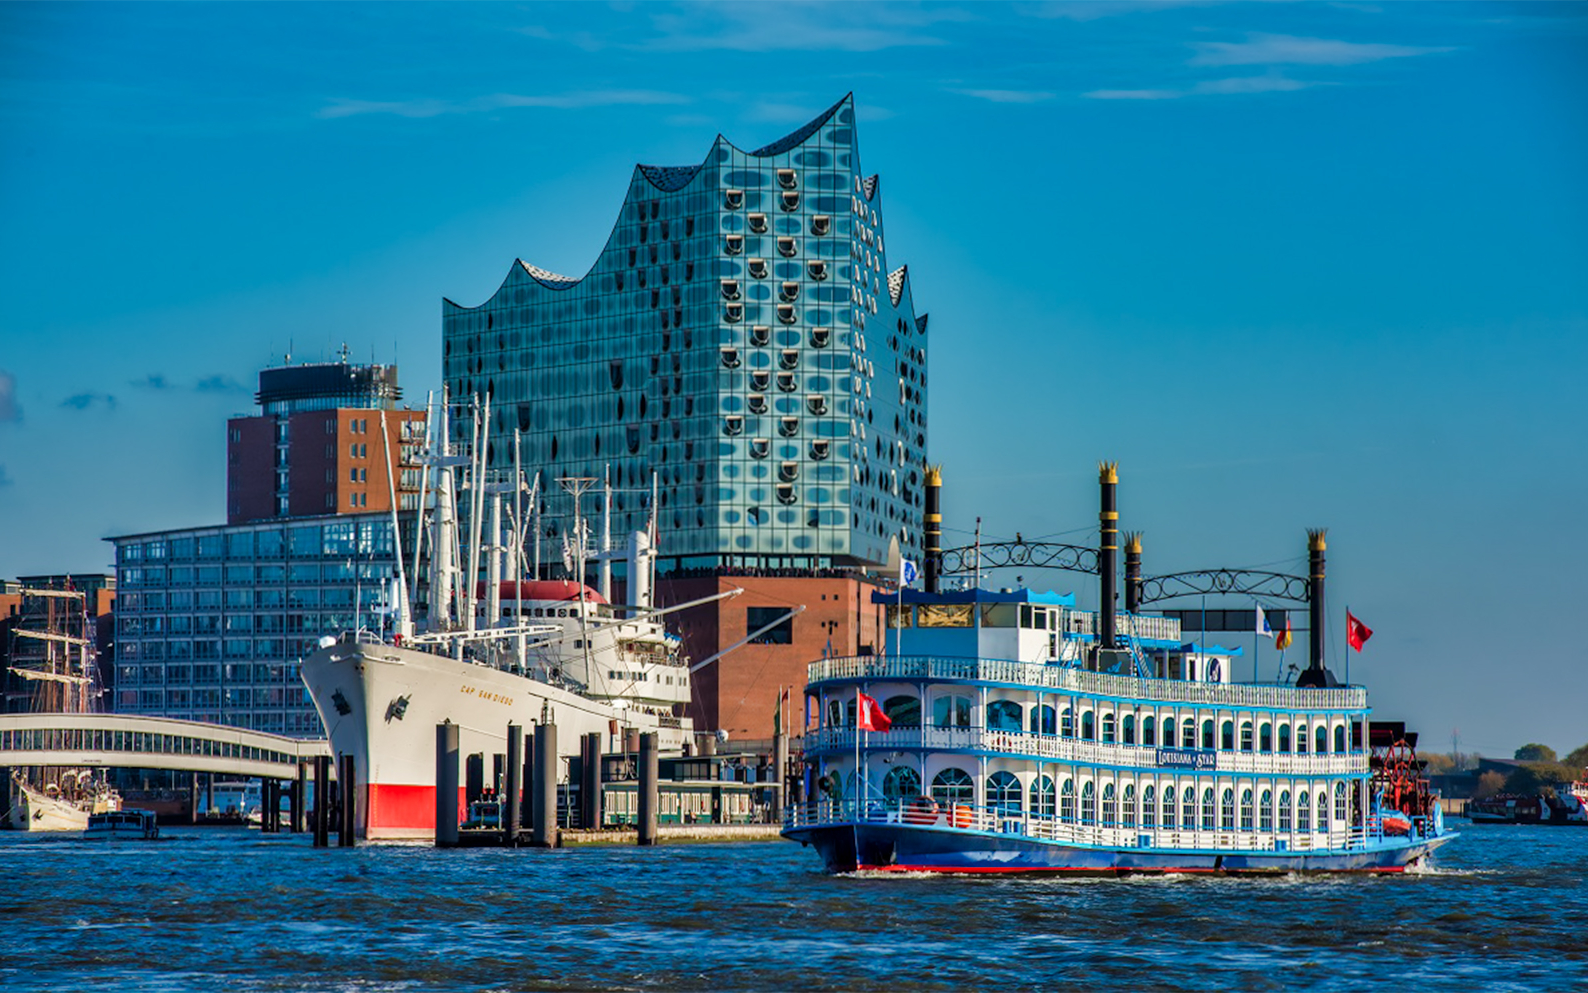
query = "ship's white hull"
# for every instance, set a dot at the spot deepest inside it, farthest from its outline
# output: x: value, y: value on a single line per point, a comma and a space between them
x: 381, y: 704
x: 32, y: 810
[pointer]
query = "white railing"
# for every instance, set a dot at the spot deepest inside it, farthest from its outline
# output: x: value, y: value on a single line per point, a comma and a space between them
x: 1065, y: 679
x: 1076, y: 750
x: 968, y: 818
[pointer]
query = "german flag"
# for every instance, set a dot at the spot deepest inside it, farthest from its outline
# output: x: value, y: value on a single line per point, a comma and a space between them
x: 1282, y: 640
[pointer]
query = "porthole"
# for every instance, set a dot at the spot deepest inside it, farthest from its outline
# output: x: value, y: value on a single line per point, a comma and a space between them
x: 758, y: 223
x: 733, y: 199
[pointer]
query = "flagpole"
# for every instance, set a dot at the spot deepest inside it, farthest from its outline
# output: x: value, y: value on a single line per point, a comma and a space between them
x: 1348, y: 644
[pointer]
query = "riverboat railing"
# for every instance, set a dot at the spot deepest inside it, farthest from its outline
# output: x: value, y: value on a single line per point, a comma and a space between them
x: 1057, y: 748
x: 965, y: 817
x: 913, y: 668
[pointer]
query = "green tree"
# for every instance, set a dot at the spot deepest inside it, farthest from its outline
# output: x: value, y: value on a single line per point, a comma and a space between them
x: 1536, y: 776
x: 1439, y: 764
x: 1577, y: 758
x: 1535, y: 752
x: 1489, y: 784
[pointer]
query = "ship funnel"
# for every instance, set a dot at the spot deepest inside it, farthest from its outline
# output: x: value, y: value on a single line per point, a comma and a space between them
x: 1316, y: 674
x: 1108, y: 544
x: 1132, y: 571
x: 639, y: 569
x: 934, y: 526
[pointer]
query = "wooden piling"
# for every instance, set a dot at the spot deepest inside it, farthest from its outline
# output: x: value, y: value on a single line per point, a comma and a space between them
x: 446, y: 785
x: 546, y: 834
x: 779, y: 776
x: 650, y: 797
x: 347, y: 776
x: 510, y: 792
x: 590, y: 785
x: 322, y: 801
x: 474, y: 777
x: 298, y: 793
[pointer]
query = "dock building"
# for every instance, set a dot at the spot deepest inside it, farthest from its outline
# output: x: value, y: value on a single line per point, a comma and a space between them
x: 744, y: 345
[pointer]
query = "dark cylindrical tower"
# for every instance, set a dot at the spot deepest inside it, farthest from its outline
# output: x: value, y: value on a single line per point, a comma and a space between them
x: 1132, y: 571
x: 934, y: 526
x: 1315, y: 618
x: 1108, y: 521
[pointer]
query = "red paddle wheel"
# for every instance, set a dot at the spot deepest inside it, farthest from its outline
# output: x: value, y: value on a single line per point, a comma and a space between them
x: 1399, y: 776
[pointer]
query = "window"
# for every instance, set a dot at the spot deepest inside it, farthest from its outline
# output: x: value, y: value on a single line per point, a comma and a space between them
x: 1067, y: 723
x: 1149, y: 805
x: 1340, y: 812
x: 953, y: 786
x: 1207, y: 809
x: 760, y: 335
x: 787, y: 179
x: 1088, y: 731
x: 1284, y: 810
x: 1042, y: 797
x: 821, y: 224
x: 1148, y: 729
x: 1284, y: 738
x: 758, y: 223
x: 1108, y: 729
x: 1322, y: 739
x: 787, y: 248
x: 1265, y: 737
x: 1323, y: 810
x: 733, y: 244
x: 1128, y: 807
x: 1110, y: 809
x: 1043, y: 718
x: 756, y: 268
x: 1339, y: 739
x: 1003, y: 793
x: 1207, y: 733
x: 1301, y: 739
x: 1303, y: 812
x: 903, y: 711
x: 1003, y: 715
x: 781, y: 632
x: 1188, y: 733
x: 733, y: 199
x: 1246, y: 736
x: 1168, y: 732
x: 1188, y: 808
x: 1265, y: 814
x: 1088, y: 803
x: 902, y: 783
x: 1067, y: 801
x: 1227, y: 736
x: 951, y: 712
x: 1246, y: 810
x: 1227, y: 809
x: 1168, y: 807
x: 1127, y: 729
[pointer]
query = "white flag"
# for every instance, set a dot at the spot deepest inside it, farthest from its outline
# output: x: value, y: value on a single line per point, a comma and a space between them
x: 1262, y: 627
x: 908, y: 571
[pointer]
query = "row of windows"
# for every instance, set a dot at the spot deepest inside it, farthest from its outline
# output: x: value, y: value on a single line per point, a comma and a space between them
x: 954, y: 710
x: 1217, y: 810
x: 339, y: 538
x: 103, y: 740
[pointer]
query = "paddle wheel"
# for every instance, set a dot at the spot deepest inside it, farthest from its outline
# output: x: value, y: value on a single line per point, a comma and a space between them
x: 1399, y: 776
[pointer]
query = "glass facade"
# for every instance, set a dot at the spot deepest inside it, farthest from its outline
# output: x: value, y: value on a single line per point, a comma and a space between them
x: 742, y: 336
x: 213, y: 622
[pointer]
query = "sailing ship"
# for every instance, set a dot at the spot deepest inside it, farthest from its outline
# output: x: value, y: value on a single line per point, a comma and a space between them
x: 53, y: 670
x: 500, y: 646
x: 1011, y: 732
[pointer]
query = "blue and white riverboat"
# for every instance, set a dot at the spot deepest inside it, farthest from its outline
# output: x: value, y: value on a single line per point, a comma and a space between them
x: 1010, y: 747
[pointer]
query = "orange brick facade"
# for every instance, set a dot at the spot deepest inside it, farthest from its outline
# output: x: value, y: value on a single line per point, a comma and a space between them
x: 334, y: 462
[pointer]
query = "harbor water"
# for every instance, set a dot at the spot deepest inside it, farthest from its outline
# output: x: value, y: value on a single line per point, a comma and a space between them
x: 1504, y: 908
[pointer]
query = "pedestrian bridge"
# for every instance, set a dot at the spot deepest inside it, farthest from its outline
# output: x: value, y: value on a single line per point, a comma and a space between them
x: 124, y: 741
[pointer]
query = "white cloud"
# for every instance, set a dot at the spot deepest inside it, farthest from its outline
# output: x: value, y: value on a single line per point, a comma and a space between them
x: 500, y: 101
x: 1134, y: 94
x: 1281, y: 49
x: 1007, y: 96
x: 1253, y: 84
x: 764, y: 27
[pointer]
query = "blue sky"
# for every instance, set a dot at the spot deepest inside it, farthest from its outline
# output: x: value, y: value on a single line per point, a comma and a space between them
x: 1290, y: 264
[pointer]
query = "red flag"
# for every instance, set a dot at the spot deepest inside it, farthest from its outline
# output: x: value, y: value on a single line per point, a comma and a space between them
x: 870, y: 716
x: 1282, y: 640
x: 1356, y: 633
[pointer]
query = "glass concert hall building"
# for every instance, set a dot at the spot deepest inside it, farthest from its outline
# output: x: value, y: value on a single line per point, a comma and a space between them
x: 742, y: 335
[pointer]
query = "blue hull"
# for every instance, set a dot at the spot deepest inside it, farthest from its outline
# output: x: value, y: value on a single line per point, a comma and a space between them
x: 905, y: 848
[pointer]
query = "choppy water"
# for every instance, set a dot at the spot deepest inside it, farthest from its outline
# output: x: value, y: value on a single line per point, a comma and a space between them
x: 1507, y: 908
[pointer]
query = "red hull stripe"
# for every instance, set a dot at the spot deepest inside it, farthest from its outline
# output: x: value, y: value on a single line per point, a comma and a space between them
x: 395, y: 806
x: 962, y: 870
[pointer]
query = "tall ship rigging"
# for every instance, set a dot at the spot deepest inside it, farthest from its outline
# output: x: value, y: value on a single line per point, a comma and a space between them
x: 500, y: 644
x: 53, y: 670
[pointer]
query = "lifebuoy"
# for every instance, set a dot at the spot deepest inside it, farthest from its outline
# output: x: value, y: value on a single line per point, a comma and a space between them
x: 963, y: 818
x: 921, y: 810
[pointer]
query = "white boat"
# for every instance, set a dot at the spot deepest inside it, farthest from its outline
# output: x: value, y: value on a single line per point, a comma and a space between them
x: 499, y: 652
x: 56, y: 809
x: 133, y: 825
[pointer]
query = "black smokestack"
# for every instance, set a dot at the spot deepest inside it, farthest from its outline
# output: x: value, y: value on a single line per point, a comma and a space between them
x: 1132, y: 571
x: 1315, y: 620
x: 934, y: 526
x: 1108, y: 520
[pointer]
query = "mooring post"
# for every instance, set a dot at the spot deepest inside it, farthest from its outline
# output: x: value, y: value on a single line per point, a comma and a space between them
x: 348, y: 777
x: 446, y: 785
x: 322, y: 800
x: 590, y: 788
x: 650, y: 772
x: 545, y: 835
x: 297, y: 793
x: 780, y: 799
x: 266, y: 794
x: 474, y: 777
x: 515, y: 775
x: 526, y: 809
x: 192, y: 804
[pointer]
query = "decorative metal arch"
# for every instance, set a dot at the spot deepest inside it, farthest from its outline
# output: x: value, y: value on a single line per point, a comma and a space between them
x: 1019, y: 554
x: 1245, y: 582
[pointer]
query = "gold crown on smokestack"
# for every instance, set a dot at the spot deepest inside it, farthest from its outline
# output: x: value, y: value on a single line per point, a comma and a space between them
x: 1108, y: 472
x: 1133, y: 542
x: 1315, y: 539
x: 934, y: 475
